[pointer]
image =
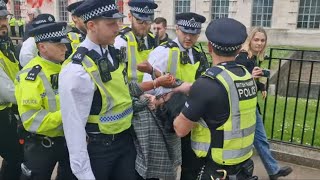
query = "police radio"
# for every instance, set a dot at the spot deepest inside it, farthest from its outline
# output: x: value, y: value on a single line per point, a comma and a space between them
x: 104, y: 69
x: 121, y: 54
x: 184, y: 57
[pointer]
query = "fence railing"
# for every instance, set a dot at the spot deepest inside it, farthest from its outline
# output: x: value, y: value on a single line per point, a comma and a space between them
x: 290, y: 111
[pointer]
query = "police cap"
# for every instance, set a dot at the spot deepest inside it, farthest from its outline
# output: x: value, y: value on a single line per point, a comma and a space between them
x: 42, y: 19
x: 72, y: 7
x: 143, y: 9
x: 190, y: 22
x: 3, y: 9
x: 91, y: 9
x: 52, y: 32
x: 226, y: 34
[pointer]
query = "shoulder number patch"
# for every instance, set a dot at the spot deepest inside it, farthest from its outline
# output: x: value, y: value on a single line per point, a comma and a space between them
x: 32, y: 74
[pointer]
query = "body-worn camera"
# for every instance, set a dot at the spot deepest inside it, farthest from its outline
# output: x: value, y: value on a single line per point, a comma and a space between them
x: 184, y: 57
x: 104, y: 70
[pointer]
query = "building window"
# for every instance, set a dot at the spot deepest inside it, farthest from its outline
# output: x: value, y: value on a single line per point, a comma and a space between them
x: 63, y: 13
x: 182, y: 6
x: 219, y: 9
x: 309, y: 14
x: 262, y: 13
x: 17, y: 8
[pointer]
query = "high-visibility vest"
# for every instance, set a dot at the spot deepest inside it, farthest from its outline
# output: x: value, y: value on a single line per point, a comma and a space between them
x: 21, y: 22
x: 36, y: 90
x: 75, y: 40
x: 116, y: 111
x: 11, y: 68
x: 185, y: 72
x: 237, y: 133
x: 12, y: 22
x: 134, y: 56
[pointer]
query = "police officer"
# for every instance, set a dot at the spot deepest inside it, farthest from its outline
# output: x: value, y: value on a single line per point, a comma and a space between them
x: 137, y: 39
x: 95, y: 102
x: 186, y: 62
x: 78, y: 33
x: 39, y: 107
x: 21, y: 22
x: 160, y: 28
x: 12, y: 23
x: 29, y: 49
x: 10, y: 149
x: 220, y: 110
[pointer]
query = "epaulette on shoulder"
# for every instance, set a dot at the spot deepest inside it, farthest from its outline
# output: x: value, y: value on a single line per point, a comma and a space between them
x: 78, y: 56
x: 170, y: 44
x: 124, y: 30
x: 212, y: 72
x: 33, y: 73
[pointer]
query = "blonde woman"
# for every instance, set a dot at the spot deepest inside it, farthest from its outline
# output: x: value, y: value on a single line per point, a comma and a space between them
x: 250, y: 56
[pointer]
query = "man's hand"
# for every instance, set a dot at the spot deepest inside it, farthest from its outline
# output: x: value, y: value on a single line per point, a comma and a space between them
x: 145, y: 67
x: 183, y: 88
x: 166, y: 81
x: 264, y: 94
x: 257, y: 72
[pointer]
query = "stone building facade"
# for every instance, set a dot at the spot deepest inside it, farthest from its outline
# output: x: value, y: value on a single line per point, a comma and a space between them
x: 288, y: 22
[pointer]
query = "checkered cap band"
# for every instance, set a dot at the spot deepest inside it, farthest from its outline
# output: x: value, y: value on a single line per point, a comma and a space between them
x: 116, y: 117
x: 98, y: 12
x: 189, y: 23
x: 50, y: 35
x: 228, y: 49
x: 3, y: 5
x: 144, y: 10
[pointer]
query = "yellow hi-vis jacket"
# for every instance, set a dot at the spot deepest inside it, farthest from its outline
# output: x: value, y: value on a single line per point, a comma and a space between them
x: 237, y: 133
x: 134, y: 56
x: 75, y: 40
x: 116, y: 110
x: 185, y: 72
x: 11, y: 68
x: 12, y: 22
x: 38, y: 99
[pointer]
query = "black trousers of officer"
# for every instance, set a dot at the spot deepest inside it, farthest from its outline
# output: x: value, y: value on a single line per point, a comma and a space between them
x: 112, y: 157
x: 41, y: 160
x: 191, y: 164
x: 10, y: 149
x: 13, y: 31
x: 21, y: 31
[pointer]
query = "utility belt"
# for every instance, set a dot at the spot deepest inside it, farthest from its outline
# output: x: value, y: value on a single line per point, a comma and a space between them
x: 45, y: 141
x: 214, y: 171
x: 101, y: 138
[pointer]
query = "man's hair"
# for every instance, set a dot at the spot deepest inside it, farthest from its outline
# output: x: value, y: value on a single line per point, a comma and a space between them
x: 162, y: 20
x: 34, y: 11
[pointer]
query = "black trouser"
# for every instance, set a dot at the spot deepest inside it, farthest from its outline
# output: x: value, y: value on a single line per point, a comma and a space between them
x: 21, y: 31
x: 191, y: 164
x: 13, y: 31
x: 112, y: 157
x: 10, y: 149
x: 212, y: 170
x: 41, y: 160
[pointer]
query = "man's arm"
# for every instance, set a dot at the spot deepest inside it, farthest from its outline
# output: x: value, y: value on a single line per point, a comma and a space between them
x: 6, y: 88
x: 76, y: 91
x: 182, y: 125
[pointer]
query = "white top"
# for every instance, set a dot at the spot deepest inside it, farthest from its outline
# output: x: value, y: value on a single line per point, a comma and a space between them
x: 28, y: 51
x: 6, y: 89
x: 76, y: 90
x: 159, y: 58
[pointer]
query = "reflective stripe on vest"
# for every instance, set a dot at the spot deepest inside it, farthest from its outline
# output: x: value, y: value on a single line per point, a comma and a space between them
x: 133, y: 66
x: 174, y: 54
x: 75, y: 40
x: 38, y: 119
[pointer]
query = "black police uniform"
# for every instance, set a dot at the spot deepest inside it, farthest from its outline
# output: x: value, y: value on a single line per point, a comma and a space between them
x: 226, y: 36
